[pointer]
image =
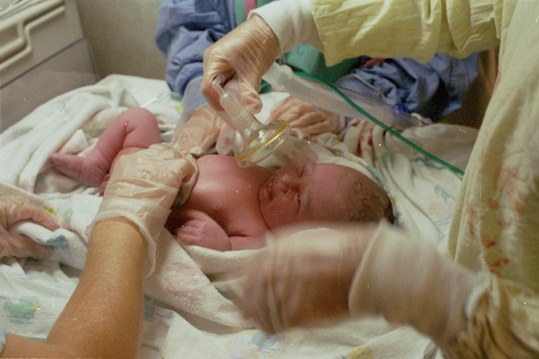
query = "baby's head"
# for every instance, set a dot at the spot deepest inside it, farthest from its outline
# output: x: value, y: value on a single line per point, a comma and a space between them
x: 321, y: 192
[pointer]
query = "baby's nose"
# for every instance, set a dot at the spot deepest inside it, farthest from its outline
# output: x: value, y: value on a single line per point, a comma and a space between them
x: 288, y: 183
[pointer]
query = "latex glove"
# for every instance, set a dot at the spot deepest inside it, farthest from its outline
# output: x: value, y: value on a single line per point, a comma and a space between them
x: 14, y: 209
x: 142, y: 188
x: 310, y: 277
x: 301, y: 278
x: 203, y: 129
x: 310, y: 119
x: 404, y: 279
x: 199, y: 132
x: 247, y: 51
x: 227, y: 140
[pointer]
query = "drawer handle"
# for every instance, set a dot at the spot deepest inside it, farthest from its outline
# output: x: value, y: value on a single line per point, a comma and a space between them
x: 15, y: 36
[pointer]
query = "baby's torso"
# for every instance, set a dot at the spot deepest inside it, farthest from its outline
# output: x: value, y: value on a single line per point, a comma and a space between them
x: 229, y: 195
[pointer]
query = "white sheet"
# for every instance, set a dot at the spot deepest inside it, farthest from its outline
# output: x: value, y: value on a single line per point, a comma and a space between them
x: 185, y: 315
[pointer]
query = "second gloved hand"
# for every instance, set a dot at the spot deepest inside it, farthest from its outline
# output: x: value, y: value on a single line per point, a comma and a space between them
x: 203, y: 129
x: 310, y: 119
x: 198, y: 133
x: 143, y: 187
x: 303, y: 276
x: 306, y: 278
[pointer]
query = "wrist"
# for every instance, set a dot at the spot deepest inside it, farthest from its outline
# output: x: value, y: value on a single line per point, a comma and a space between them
x: 353, y: 254
x: 118, y: 243
x: 192, y: 98
x: 123, y: 228
x: 297, y: 27
x: 404, y: 279
x: 271, y: 42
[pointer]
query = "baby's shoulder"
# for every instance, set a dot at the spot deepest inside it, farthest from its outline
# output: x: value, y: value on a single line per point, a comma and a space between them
x: 212, y: 160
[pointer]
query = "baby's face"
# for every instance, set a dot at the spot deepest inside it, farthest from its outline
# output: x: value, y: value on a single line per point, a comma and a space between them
x: 311, y: 192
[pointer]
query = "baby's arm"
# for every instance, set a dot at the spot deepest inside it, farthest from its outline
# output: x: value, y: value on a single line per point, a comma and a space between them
x: 202, y: 230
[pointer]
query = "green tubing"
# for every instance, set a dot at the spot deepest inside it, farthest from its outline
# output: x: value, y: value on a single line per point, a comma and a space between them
x: 381, y: 124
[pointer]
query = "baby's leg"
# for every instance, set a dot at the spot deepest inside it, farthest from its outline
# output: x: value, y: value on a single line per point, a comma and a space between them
x: 133, y: 130
x: 140, y: 130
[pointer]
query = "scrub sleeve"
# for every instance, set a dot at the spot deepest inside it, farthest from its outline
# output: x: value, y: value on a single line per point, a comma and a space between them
x: 492, y: 241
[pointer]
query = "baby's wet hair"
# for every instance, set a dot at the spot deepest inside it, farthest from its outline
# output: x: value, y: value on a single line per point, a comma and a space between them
x: 368, y: 202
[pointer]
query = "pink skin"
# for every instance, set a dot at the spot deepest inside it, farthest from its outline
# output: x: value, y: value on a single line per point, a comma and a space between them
x: 230, y: 208
x: 303, y: 193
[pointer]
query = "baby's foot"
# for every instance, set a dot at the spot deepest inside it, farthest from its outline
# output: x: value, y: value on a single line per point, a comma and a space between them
x: 80, y: 168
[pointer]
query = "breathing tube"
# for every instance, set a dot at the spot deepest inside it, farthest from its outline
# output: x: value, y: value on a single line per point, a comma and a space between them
x: 282, y: 78
x: 260, y: 141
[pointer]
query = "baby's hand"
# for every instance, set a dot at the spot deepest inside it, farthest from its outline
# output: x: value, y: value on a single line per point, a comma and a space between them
x: 202, y: 230
x: 310, y: 119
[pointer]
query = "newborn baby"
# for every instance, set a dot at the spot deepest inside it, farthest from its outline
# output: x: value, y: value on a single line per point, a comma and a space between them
x: 230, y: 207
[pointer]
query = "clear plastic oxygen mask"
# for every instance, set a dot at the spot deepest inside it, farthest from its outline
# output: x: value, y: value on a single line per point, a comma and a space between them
x: 258, y: 140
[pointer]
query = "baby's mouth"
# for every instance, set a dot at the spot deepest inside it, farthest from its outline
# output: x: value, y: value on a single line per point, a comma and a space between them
x: 270, y: 186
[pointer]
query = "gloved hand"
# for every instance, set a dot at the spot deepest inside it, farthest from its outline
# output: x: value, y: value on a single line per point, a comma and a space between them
x: 199, y: 132
x: 142, y: 188
x: 305, y: 278
x: 310, y: 119
x: 247, y: 51
x: 14, y: 209
x: 227, y: 140
x: 301, y: 278
x: 203, y: 129
x: 403, y: 278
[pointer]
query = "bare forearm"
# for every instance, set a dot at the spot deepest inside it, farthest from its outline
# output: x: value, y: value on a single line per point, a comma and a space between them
x: 104, y: 316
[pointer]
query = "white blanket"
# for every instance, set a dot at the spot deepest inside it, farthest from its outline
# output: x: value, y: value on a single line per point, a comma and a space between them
x: 185, y: 315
